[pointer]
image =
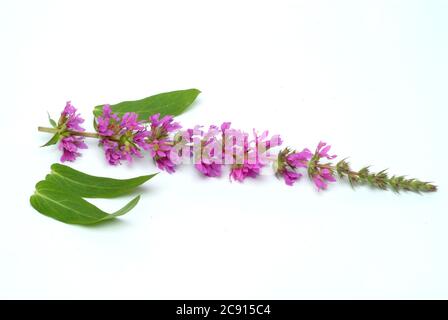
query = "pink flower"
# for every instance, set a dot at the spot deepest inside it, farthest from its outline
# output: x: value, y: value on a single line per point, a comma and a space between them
x: 320, y: 173
x: 70, y: 121
x: 129, y: 122
x: 160, y: 144
x: 252, y: 153
x: 209, y: 170
x: 322, y: 151
x: 242, y: 171
x: 159, y: 148
x: 69, y: 147
x: 207, y: 156
x: 140, y: 139
x: 299, y: 159
x: 165, y: 124
x: 321, y: 178
x: 165, y: 163
x: 291, y: 176
x: 112, y: 151
x: 107, y: 123
x: 122, y: 139
x: 289, y: 161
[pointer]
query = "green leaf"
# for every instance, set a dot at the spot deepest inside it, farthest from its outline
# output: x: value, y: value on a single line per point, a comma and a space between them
x: 54, y: 202
x: 60, y: 195
x: 168, y: 103
x: 52, y: 141
x: 87, y: 186
x: 52, y: 122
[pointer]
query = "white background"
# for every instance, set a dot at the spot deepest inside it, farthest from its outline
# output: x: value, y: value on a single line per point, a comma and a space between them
x: 369, y: 77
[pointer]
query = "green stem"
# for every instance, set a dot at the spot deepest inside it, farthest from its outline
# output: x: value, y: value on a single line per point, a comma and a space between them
x: 73, y: 133
x: 47, y: 130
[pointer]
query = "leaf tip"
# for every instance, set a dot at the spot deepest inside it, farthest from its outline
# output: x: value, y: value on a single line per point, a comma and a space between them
x: 152, y: 175
x: 55, y: 166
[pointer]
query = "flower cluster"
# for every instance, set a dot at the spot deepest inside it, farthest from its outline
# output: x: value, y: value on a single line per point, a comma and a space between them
x: 207, y: 149
x: 321, y: 174
x: 289, y: 161
x: 219, y: 146
x: 251, y: 155
x: 124, y: 137
x: 161, y: 145
x: 69, y: 145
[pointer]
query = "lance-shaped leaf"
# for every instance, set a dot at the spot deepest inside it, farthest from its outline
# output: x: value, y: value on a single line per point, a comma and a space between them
x: 59, y: 196
x: 52, y: 122
x: 52, y: 141
x: 168, y: 103
x: 54, y: 202
x: 87, y: 186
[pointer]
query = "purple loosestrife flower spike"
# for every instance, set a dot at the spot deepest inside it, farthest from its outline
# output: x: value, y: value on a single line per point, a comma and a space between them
x: 124, y: 138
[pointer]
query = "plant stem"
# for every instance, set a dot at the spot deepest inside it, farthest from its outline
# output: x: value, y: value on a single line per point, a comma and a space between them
x: 85, y: 134
x: 73, y: 133
x: 48, y: 130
